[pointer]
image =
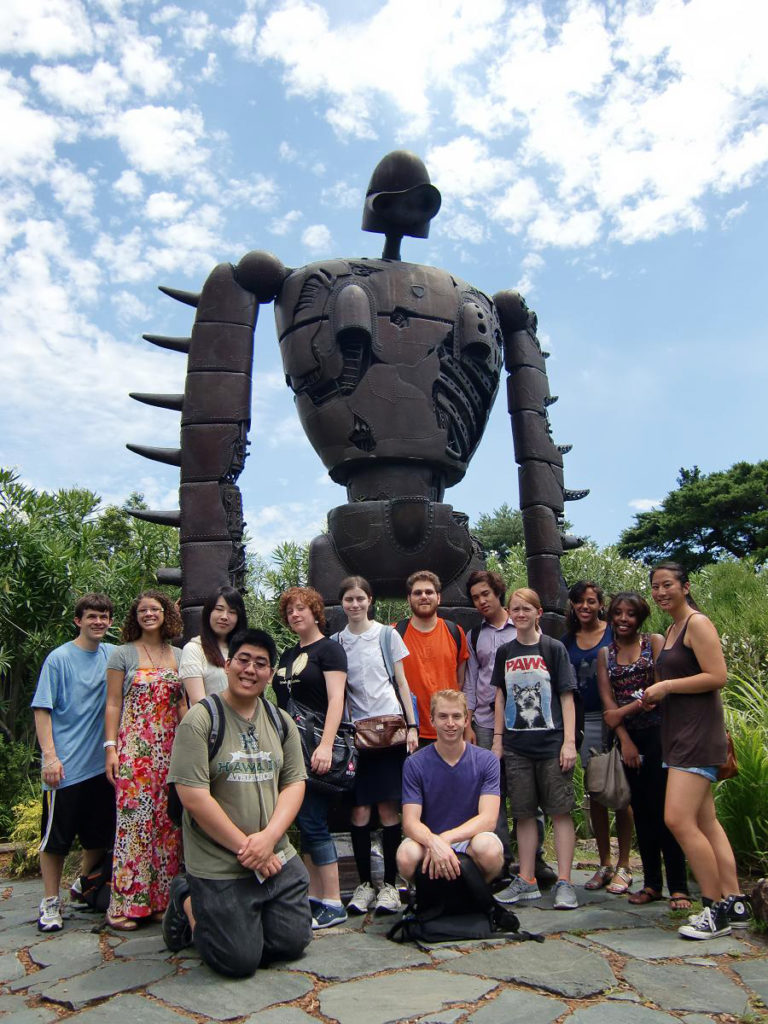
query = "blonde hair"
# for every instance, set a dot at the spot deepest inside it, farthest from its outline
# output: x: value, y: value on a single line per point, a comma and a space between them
x: 527, y: 595
x: 452, y: 696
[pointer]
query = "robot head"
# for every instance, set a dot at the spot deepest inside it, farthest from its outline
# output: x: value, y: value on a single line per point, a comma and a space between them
x: 400, y: 198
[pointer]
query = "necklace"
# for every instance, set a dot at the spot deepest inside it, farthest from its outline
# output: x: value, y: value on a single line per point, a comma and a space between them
x: 151, y: 660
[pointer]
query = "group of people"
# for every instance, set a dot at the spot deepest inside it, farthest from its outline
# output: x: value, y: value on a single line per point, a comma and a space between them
x: 117, y: 725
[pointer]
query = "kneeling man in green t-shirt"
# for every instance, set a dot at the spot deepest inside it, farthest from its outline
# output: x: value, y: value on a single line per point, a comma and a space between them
x: 244, y: 898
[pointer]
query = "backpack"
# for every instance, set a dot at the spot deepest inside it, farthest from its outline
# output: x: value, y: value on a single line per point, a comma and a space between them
x: 444, y: 910
x: 96, y: 886
x: 215, y: 709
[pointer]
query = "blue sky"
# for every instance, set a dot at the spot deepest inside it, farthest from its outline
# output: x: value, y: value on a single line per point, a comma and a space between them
x: 606, y: 158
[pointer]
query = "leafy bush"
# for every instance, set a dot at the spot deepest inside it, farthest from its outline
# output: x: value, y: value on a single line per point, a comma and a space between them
x: 15, y: 781
x: 26, y: 830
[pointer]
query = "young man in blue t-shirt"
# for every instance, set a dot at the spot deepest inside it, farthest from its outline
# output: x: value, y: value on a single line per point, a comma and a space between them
x: 450, y: 799
x: 69, y: 721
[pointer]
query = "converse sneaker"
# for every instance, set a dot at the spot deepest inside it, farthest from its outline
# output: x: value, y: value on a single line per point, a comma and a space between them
x: 50, y: 915
x: 362, y: 899
x: 565, y: 895
x: 327, y: 917
x: 738, y: 909
x: 388, y: 900
x: 517, y: 891
x: 711, y: 923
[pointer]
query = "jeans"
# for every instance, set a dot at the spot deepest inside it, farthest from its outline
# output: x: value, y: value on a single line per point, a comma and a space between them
x: 312, y: 820
x: 240, y: 922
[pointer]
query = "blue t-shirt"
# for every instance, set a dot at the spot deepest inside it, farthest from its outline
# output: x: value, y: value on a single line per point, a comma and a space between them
x: 449, y: 794
x: 584, y: 661
x: 73, y: 687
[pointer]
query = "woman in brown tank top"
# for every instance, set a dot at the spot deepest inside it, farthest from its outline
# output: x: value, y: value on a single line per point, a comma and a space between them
x: 690, y: 672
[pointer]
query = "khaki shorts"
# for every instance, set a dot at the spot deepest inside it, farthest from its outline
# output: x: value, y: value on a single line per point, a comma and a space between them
x: 537, y: 784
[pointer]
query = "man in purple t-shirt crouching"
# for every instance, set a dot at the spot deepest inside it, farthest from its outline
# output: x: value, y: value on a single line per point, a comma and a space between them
x: 450, y: 799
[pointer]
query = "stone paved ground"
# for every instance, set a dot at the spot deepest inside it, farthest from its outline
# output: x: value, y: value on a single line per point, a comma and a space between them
x: 605, y: 963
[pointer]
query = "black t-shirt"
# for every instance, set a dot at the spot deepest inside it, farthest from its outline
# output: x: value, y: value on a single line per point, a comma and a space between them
x: 306, y: 683
x: 532, y: 677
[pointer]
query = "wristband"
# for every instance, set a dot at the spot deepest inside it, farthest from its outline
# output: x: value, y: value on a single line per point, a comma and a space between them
x: 110, y: 743
x: 498, y: 734
x: 413, y: 726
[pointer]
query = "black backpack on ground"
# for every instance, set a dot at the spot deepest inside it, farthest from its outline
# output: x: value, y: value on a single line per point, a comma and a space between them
x: 96, y: 886
x: 215, y: 709
x: 442, y: 910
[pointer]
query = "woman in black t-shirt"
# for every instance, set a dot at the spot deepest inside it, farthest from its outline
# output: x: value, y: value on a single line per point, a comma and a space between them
x: 314, y: 673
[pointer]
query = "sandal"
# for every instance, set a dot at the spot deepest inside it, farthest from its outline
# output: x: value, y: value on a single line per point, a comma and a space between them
x: 622, y: 879
x: 122, y: 924
x: 601, y: 878
x: 643, y: 896
x: 679, y: 901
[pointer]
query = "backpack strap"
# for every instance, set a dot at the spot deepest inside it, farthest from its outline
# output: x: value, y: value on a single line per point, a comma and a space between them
x: 277, y: 719
x: 385, y: 643
x: 215, y: 709
x: 453, y: 628
x: 474, y: 635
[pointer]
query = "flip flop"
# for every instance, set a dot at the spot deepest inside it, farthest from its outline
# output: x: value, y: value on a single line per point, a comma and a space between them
x: 622, y: 879
x: 600, y: 879
x: 122, y: 924
x: 643, y: 896
x: 679, y: 901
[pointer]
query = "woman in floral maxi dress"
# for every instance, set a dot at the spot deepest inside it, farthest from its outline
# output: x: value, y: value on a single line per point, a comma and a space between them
x: 143, y: 705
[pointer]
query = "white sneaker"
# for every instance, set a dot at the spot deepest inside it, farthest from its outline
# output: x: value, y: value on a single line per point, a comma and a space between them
x: 362, y: 899
x: 76, y: 892
x: 50, y: 915
x: 388, y: 900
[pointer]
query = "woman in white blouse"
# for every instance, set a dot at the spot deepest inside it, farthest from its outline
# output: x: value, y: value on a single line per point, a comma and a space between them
x: 202, y: 659
x: 371, y: 692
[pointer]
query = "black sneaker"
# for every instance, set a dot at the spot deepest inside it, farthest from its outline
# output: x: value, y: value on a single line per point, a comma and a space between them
x: 177, y: 932
x: 711, y: 923
x: 738, y: 909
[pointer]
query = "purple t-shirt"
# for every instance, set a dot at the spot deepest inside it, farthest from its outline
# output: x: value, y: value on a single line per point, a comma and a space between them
x: 449, y: 794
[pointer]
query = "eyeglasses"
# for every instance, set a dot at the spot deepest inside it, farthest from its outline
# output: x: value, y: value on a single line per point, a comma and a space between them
x: 246, y: 659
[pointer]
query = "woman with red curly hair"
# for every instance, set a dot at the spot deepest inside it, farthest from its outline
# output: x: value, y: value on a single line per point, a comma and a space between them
x: 314, y: 674
x: 143, y: 704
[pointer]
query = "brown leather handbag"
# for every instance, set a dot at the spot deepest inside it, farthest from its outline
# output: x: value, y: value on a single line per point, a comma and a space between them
x: 380, y: 732
x: 730, y: 769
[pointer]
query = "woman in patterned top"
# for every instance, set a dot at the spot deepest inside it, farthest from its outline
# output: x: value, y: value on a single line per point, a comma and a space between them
x: 624, y: 669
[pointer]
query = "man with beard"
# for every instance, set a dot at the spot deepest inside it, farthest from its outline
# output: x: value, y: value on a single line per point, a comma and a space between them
x: 437, y: 649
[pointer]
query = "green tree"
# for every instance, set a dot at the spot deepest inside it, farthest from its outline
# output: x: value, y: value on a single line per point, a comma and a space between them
x: 54, y: 547
x: 499, y: 531
x: 708, y: 517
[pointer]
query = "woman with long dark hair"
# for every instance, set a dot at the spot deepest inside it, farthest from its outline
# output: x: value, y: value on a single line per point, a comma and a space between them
x: 625, y: 668
x: 314, y: 673
x: 587, y: 634
x: 202, y: 659
x: 143, y: 704
x: 378, y: 780
x: 690, y: 673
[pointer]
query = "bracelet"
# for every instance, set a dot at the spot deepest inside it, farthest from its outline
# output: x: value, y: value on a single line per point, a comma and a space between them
x: 498, y: 734
x: 110, y: 743
x: 49, y: 764
x: 413, y: 726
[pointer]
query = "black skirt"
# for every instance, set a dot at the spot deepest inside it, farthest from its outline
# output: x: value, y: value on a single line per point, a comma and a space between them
x: 379, y: 776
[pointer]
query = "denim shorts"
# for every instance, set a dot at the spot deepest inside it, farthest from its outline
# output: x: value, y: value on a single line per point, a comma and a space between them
x: 709, y: 772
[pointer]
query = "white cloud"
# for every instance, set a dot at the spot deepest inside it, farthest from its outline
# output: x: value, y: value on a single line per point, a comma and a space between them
x: 130, y: 185
x: 129, y: 307
x: 733, y: 214
x: 243, y: 34
x: 29, y: 135
x: 159, y: 140
x: 270, y: 525
x: 317, y: 237
x: 85, y: 92
x: 196, y: 30
x: 45, y: 28
x: 343, y: 196
x: 644, y: 504
x: 165, y: 206
x: 73, y: 191
x: 282, y: 225
x: 143, y: 66
x: 287, y: 152
x: 464, y: 228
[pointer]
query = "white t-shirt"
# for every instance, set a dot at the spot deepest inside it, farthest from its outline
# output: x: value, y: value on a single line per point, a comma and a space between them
x: 369, y: 690
x: 194, y: 664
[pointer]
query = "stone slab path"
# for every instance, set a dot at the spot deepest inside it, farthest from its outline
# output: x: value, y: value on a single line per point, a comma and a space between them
x: 605, y: 963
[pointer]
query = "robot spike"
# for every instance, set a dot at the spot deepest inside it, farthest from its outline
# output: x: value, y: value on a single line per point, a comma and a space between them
x: 571, y: 542
x: 173, y: 344
x: 546, y: 355
x: 190, y: 298
x: 174, y: 402
x: 550, y: 400
x: 574, y: 495
x: 564, y: 448
x: 169, y: 577
x: 170, y: 456
x: 172, y: 517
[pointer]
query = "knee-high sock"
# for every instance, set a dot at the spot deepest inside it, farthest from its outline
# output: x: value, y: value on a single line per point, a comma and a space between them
x: 390, y: 840
x: 361, y: 848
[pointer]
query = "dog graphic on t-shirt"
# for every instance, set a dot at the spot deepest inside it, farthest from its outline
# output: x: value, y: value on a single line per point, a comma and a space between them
x: 529, y: 689
x: 529, y: 714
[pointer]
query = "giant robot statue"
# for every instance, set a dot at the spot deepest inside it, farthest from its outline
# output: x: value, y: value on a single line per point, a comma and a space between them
x: 395, y: 367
